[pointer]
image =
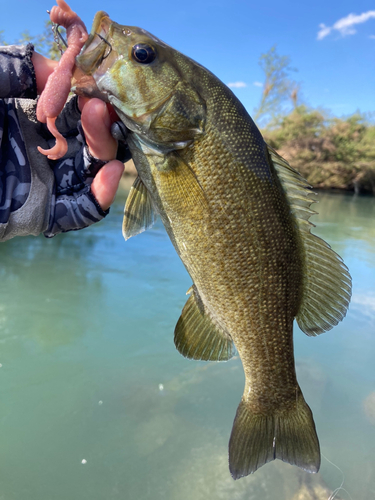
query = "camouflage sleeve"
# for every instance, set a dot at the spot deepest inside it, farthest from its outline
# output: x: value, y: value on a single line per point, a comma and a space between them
x: 17, y: 75
x: 15, y: 174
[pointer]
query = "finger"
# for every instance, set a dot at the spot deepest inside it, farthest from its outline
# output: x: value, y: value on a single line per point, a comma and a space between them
x: 82, y: 101
x: 43, y: 67
x: 105, y: 183
x: 96, y: 123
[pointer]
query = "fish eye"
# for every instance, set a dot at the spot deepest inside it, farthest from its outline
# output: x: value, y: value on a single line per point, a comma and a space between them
x: 143, y: 53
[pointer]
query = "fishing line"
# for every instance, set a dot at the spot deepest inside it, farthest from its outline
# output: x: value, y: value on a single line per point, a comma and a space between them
x: 335, y: 491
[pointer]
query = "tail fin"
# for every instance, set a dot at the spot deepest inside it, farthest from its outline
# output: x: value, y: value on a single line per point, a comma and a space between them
x: 258, y: 439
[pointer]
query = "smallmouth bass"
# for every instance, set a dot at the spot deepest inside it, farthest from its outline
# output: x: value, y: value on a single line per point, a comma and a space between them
x: 237, y: 215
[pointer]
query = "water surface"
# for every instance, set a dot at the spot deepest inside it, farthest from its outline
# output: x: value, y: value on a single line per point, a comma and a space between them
x: 96, y: 403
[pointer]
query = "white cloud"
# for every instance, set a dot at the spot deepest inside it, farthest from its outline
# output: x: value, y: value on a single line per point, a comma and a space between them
x: 364, y: 299
x: 324, y: 31
x: 364, y: 304
x: 372, y: 36
x: 237, y: 85
x: 258, y: 84
x: 345, y: 25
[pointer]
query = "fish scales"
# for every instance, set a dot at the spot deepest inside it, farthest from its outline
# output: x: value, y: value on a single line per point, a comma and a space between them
x: 237, y: 215
x: 242, y: 268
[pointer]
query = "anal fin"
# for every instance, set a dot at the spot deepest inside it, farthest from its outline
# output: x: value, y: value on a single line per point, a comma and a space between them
x: 198, y: 336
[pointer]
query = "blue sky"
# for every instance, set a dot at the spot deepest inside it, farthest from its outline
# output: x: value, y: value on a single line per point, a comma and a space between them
x: 330, y: 42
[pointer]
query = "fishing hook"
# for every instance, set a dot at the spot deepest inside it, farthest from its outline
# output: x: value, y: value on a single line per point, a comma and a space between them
x: 105, y: 41
x: 57, y: 36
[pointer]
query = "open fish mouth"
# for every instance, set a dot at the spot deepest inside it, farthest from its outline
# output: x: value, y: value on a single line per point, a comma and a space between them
x: 96, y: 48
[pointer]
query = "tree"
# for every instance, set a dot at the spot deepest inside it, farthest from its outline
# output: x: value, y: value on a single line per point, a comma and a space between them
x: 44, y: 43
x: 2, y: 41
x: 278, y: 87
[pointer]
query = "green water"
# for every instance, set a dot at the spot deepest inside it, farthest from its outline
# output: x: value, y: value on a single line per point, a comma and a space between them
x: 89, y: 373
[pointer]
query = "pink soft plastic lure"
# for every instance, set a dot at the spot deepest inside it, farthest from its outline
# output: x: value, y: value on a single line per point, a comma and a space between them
x: 56, y: 91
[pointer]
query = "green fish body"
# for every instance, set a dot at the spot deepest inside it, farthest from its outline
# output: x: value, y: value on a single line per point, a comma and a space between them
x: 237, y: 215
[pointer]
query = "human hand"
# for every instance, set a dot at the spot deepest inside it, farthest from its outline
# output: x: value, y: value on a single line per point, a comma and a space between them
x: 96, y: 123
x: 85, y: 185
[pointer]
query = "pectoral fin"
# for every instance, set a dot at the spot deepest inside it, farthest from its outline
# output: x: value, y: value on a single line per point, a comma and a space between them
x: 327, y: 283
x: 198, y: 336
x: 139, y: 214
x: 182, y: 193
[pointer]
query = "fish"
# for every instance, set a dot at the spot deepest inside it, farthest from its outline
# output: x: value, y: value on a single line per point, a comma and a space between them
x: 238, y: 216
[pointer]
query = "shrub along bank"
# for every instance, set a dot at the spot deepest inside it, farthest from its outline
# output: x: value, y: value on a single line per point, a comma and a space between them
x: 331, y: 153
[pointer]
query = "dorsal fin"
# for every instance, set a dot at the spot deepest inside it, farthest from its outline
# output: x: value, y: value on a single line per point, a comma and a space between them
x: 327, y: 282
x: 198, y: 336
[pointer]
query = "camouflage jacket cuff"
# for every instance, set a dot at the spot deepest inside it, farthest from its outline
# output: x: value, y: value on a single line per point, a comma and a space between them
x: 73, y: 212
x: 73, y: 205
x: 17, y: 75
x: 92, y: 164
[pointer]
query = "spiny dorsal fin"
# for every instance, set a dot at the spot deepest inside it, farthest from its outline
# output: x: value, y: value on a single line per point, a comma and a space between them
x: 197, y: 336
x: 138, y: 213
x: 327, y: 282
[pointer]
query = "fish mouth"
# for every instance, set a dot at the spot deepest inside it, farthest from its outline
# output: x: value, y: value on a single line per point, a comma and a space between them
x: 96, y: 48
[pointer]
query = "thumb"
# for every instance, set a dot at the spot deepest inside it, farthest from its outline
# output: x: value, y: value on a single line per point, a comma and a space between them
x: 105, y: 183
x: 96, y: 123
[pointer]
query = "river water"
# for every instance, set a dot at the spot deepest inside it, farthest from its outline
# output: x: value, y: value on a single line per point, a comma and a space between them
x: 96, y: 403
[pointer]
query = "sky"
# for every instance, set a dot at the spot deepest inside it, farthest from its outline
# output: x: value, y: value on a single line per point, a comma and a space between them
x: 331, y: 43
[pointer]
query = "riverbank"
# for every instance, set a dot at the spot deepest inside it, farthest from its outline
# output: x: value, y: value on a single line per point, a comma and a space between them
x: 332, y: 175
x: 330, y: 153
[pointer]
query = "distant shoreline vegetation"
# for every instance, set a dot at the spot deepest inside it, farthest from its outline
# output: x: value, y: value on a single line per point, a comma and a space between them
x: 331, y: 153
